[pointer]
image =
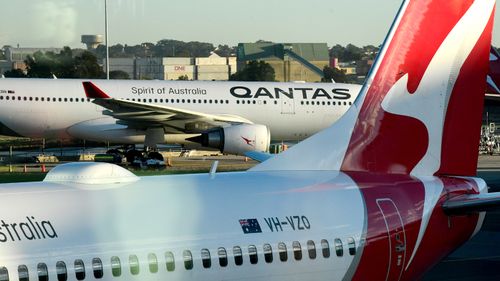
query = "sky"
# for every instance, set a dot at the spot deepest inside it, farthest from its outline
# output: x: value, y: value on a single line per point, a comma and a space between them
x: 57, y: 23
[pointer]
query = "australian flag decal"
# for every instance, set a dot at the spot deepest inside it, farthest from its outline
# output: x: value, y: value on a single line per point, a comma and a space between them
x: 250, y: 226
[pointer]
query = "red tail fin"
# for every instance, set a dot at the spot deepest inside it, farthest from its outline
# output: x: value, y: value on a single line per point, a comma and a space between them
x: 420, y: 109
x: 421, y: 113
x: 493, y: 79
x: 93, y: 92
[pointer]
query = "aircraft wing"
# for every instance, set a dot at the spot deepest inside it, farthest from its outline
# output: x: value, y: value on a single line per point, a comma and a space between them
x: 142, y: 115
x: 471, y: 203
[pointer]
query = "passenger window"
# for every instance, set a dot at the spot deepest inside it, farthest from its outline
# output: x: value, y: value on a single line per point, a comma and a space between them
x: 252, y: 253
x: 238, y: 256
x: 153, y: 263
x: 134, y: 264
x: 339, y: 248
x: 297, y: 250
x: 4, y: 273
x: 325, y: 248
x: 116, y: 266
x: 65, y: 99
x: 352, y: 246
x: 188, y: 259
x: 282, y: 251
x: 79, y: 269
x: 61, y: 271
x: 268, y: 253
x: 22, y: 271
x: 43, y: 273
x: 169, y: 260
x: 205, y: 258
x: 70, y: 99
x: 97, y: 268
x: 311, y: 249
x: 222, y: 257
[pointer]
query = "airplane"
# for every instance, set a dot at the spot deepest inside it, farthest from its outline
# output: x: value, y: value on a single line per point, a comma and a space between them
x: 382, y: 194
x: 233, y: 117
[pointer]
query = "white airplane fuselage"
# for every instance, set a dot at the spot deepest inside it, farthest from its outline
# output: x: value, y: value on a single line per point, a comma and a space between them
x: 337, y: 223
x: 58, y: 108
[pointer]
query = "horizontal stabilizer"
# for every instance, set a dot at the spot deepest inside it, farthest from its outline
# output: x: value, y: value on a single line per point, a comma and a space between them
x: 472, y: 203
x: 258, y: 156
x: 93, y: 92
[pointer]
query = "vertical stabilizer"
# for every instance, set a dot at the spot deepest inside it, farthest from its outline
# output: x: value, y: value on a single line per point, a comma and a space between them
x: 420, y: 110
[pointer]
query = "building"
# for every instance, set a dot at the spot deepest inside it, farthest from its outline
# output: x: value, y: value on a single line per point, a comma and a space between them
x: 290, y: 61
x: 213, y: 67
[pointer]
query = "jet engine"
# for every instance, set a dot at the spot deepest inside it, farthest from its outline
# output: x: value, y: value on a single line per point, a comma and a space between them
x: 236, y: 139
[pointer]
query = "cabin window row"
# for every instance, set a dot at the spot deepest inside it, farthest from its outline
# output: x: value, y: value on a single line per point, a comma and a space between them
x: 325, y: 103
x: 187, y: 260
x: 47, y: 99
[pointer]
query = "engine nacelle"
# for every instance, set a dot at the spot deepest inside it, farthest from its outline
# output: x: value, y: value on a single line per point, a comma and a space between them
x: 236, y: 139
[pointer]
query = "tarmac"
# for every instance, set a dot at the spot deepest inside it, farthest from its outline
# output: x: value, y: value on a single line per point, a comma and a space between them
x: 479, y: 258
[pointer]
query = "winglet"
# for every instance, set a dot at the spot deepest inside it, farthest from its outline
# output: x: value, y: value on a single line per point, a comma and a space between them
x: 93, y: 92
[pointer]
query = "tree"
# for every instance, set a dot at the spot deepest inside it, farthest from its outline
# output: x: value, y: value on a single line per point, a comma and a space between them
x: 63, y: 65
x: 118, y: 74
x: 183, y: 78
x: 349, y: 53
x: 14, y: 73
x: 86, y: 66
x: 225, y: 50
x: 333, y: 73
x: 255, y: 71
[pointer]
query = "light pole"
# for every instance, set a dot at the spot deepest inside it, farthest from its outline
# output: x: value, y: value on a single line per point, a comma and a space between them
x: 106, y: 36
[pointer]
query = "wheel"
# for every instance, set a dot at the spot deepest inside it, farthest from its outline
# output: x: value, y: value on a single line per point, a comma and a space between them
x: 133, y: 154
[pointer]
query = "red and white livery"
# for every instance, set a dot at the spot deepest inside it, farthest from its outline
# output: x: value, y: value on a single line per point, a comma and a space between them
x: 383, y: 194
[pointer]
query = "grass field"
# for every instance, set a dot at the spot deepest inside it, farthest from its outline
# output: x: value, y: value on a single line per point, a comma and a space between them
x: 181, y: 167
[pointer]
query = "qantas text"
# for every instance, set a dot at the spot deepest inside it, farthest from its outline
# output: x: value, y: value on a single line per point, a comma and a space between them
x: 276, y: 93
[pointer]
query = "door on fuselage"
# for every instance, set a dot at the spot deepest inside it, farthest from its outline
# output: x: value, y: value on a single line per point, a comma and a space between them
x: 396, y: 236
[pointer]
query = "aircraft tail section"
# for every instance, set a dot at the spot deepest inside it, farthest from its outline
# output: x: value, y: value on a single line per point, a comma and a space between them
x: 420, y: 109
x: 93, y: 92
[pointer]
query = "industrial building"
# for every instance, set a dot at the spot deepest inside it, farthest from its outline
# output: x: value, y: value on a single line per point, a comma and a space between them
x: 210, y: 68
x: 290, y: 61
